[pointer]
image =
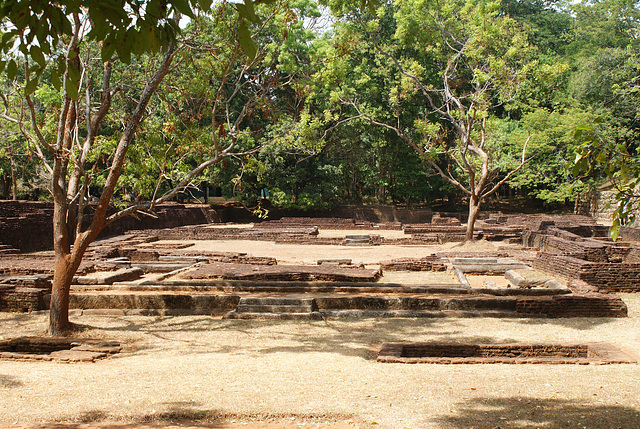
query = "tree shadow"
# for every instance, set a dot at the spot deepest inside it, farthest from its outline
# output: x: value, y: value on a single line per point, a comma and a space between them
x: 349, y: 337
x: 580, y: 323
x: 189, y: 414
x: 9, y: 382
x: 178, y: 413
x: 364, y: 341
x: 531, y: 413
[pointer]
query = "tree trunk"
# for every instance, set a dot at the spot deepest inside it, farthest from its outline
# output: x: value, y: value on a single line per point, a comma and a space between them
x: 5, y: 182
x: 66, y: 222
x: 59, y: 305
x: 14, y: 180
x: 67, y: 262
x: 474, y: 211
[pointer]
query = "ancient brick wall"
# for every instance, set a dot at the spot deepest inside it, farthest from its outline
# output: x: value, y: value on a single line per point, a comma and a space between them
x: 594, y: 305
x: 560, y: 241
x: 22, y: 299
x: 610, y: 277
x: 27, y: 225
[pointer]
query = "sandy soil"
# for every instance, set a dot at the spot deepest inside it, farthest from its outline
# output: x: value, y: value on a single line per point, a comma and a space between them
x: 197, y: 371
x: 309, y: 254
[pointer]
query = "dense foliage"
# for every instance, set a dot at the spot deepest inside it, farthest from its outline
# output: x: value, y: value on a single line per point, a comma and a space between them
x: 343, y: 104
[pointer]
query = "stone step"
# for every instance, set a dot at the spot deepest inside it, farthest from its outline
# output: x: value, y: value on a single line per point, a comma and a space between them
x: 6, y: 249
x: 285, y: 307
x: 355, y: 314
x: 274, y: 308
x: 276, y: 300
x: 315, y: 315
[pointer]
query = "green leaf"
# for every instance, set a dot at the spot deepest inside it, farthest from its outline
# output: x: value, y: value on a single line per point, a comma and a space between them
x: 71, y: 88
x: 6, y: 37
x: 74, y: 72
x: 2, y: 64
x: 12, y: 69
x: 184, y: 7
x: 36, y: 54
x: 246, y: 43
x: 205, y: 5
x: 123, y: 48
x: 373, y: 4
x: 247, y: 11
x: 108, y: 48
x: 55, y: 79
x: 615, y: 229
x: 31, y: 86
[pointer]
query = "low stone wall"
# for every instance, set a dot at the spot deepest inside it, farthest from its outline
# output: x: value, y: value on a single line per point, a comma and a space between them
x: 22, y: 299
x: 592, y: 305
x: 428, y: 263
x: 328, y: 223
x: 160, y: 303
x: 514, y: 353
x: 609, y: 277
x: 564, y: 242
x: 27, y: 225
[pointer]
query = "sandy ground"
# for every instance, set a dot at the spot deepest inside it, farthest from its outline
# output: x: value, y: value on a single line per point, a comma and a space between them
x: 309, y: 254
x: 197, y: 371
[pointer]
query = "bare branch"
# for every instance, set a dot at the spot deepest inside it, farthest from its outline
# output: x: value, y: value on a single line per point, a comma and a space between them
x: 523, y: 161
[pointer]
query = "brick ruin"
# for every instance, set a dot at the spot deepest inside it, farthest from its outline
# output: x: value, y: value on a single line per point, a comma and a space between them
x: 26, y: 226
x: 516, y: 353
x: 573, y: 249
x: 69, y: 350
x: 592, y: 261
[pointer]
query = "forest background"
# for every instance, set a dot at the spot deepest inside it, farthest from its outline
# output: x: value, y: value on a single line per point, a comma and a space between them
x: 303, y: 107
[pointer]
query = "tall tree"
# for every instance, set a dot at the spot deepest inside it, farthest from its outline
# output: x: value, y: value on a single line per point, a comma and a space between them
x: 461, y: 62
x: 81, y: 45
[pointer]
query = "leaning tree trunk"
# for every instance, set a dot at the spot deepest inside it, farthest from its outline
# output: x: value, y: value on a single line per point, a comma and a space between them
x: 67, y: 219
x: 474, y: 211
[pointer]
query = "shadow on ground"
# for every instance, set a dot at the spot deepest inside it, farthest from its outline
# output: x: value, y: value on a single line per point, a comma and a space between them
x: 9, y: 381
x: 533, y: 413
x: 344, y: 337
x: 179, y: 415
x: 579, y: 323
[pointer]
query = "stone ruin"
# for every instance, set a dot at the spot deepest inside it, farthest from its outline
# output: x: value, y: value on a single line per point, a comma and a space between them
x: 517, y: 353
x: 67, y: 350
x: 576, y: 269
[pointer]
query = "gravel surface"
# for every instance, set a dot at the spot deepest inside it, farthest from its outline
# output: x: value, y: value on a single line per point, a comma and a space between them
x: 199, y: 367
x: 199, y: 370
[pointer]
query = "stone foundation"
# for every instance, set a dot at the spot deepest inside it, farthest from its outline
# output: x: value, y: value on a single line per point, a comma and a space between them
x: 27, y: 225
x: 457, y: 353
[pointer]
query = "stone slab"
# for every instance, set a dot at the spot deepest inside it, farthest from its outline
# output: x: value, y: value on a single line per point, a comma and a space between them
x: 282, y: 272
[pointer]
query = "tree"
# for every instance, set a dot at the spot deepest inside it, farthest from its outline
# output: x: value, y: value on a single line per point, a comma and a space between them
x: 461, y: 62
x: 80, y: 46
x: 607, y: 51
